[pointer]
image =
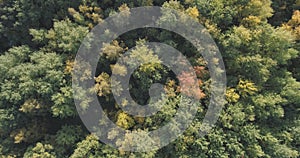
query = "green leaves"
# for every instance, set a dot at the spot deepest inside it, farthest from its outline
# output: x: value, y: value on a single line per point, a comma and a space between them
x: 64, y: 37
x: 291, y: 91
x: 68, y: 135
x: 86, y: 147
x: 268, y: 105
x: 63, y: 103
x: 40, y: 151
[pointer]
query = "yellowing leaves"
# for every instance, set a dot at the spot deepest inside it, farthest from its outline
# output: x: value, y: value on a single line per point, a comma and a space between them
x: 170, y: 88
x: 246, y: 88
x: 41, y: 151
x: 193, y: 12
x: 259, y: 8
x: 232, y: 95
x: 144, y: 58
x: 69, y: 66
x: 19, y: 136
x: 125, y: 121
x: 124, y: 9
x: 212, y: 28
x: 28, y: 134
x: 173, y: 4
x: 150, y: 67
x: 119, y: 69
x: 293, y: 25
x: 30, y: 106
x: 112, y: 51
x: 102, y: 85
x: 86, y: 146
x: 243, y: 33
x: 251, y: 21
x: 91, y: 13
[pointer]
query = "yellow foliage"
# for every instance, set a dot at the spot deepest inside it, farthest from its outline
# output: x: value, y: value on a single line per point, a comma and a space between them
x: 124, y: 102
x: 170, y: 88
x: 124, y: 9
x: 113, y: 50
x: 173, y: 4
x: 246, y: 87
x: 251, y: 21
x: 150, y: 67
x: 232, y: 96
x: 188, y: 139
x: 87, y: 12
x: 243, y: 33
x: 293, y: 25
x: 212, y: 28
x: 30, y: 105
x: 295, y: 18
x: 124, y: 120
x: 143, y: 54
x: 119, y: 69
x: 259, y: 8
x: 90, y: 25
x: 28, y: 134
x: 72, y: 11
x: 69, y: 66
x: 97, y: 9
x: 19, y: 136
x: 76, y: 15
x: 96, y: 17
x: 102, y: 85
x: 83, y: 8
x: 193, y: 12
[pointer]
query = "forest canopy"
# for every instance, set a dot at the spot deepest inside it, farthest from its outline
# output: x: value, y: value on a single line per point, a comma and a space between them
x: 259, y: 43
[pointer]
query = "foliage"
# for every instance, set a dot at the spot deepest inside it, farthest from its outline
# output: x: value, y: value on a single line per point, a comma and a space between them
x: 259, y: 42
x: 40, y: 151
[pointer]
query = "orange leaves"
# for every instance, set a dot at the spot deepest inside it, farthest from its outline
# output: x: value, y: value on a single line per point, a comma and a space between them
x: 189, y: 85
x: 200, y: 71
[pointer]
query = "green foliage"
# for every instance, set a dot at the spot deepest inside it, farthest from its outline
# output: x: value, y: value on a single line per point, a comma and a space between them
x: 40, y: 151
x: 63, y: 103
x: 259, y: 42
x: 17, y: 17
x: 64, y: 37
x: 283, y: 11
x: 86, y: 147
